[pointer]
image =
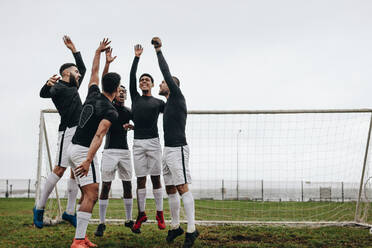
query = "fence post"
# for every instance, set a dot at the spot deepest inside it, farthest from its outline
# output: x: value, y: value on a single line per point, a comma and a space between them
x: 7, y: 190
x: 342, y: 191
x: 302, y: 190
x: 11, y: 190
x: 28, y: 189
x: 262, y: 190
x: 223, y: 190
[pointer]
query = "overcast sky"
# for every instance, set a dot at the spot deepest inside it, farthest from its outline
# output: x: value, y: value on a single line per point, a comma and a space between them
x: 228, y: 55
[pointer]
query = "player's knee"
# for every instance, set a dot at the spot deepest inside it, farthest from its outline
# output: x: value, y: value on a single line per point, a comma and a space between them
x: 91, y: 197
x: 127, y: 187
x: 104, y: 195
x: 171, y: 189
x: 106, y: 186
x: 128, y: 194
x: 156, y: 182
x: 141, y: 182
x: 183, y: 188
x: 59, y: 170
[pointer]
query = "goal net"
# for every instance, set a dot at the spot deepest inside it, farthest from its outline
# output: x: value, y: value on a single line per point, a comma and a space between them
x: 283, y: 166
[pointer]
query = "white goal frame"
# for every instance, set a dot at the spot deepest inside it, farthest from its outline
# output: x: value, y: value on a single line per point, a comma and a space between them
x: 43, y: 138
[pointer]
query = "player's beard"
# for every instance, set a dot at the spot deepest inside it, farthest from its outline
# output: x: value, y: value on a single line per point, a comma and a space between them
x: 163, y: 92
x: 73, y: 80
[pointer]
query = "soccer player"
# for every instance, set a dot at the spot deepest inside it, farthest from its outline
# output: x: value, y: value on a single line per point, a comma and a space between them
x: 176, y: 170
x: 66, y: 98
x: 96, y: 118
x: 116, y: 157
x: 146, y: 144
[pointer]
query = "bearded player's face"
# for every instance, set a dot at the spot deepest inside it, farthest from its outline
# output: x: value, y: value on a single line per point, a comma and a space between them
x: 74, y: 75
x: 163, y: 89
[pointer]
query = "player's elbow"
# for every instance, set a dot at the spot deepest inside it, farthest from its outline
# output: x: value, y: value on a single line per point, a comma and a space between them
x: 43, y: 95
x: 100, y: 136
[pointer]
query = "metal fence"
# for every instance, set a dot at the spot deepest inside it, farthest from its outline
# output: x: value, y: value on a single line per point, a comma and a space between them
x: 255, y: 190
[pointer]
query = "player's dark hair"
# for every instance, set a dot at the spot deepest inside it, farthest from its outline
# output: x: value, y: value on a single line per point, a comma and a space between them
x: 176, y: 80
x: 65, y: 66
x: 110, y: 82
x: 147, y: 75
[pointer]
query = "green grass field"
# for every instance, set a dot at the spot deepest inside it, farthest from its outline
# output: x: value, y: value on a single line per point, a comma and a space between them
x: 16, y: 229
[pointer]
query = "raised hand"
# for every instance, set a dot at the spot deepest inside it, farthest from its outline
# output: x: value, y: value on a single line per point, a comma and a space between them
x: 83, y: 169
x: 53, y: 79
x: 103, y: 45
x: 109, y: 57
x: 138, y: 49
x: 69, y: 44
x: 156, y: 42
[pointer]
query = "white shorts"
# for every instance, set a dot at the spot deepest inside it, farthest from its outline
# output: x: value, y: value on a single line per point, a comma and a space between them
x: 116, y: 159
x: 147, y: 157
x: 64, y: 141
x: 176, y: 165
x: 77, y: 155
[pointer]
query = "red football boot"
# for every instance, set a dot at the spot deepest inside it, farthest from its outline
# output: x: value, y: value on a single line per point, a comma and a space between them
x: 140, y: 219
x: 88, y: 243
x: 78, y: 243
x: 160, y: 219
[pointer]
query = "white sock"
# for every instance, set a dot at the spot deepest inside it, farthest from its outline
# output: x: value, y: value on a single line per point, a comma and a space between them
x: 82, y: 224
x: 158, y: 196
x: 102, y: 210
x: 174, y: 206
x: 48, y: 188
x: 72, y: 191
x: 128, y: 203
x: 141, y: 198
x: 188, y: 204
x: 77, y: 207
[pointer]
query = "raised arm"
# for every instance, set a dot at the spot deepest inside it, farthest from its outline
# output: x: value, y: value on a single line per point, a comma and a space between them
x: 109, y: 59
x: 132, y: 77
x: 103, y: 128
x: 173, y: 87
x: 78, y: 59
x: 45, y: 90
x: 103, y: 46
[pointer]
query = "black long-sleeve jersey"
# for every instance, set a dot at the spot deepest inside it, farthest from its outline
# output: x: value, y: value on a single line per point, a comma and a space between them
x: 175, y: 110
x: 116, y: 138
x: 66, y: 98
x: 145, y: 109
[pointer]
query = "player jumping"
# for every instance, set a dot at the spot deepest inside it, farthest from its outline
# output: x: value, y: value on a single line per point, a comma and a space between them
x: 176, y: 170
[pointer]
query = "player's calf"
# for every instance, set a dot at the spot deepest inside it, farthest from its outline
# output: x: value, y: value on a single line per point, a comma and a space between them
x: 128, y: 203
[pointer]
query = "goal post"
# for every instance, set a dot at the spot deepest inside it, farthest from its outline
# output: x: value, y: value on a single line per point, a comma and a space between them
x: 53, y: 209
x: 310, y: 167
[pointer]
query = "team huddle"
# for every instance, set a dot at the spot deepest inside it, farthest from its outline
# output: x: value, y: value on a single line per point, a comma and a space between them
x: 104, y: 114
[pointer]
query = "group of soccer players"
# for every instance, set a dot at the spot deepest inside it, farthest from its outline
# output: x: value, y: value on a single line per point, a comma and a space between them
x: 81, y: 133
